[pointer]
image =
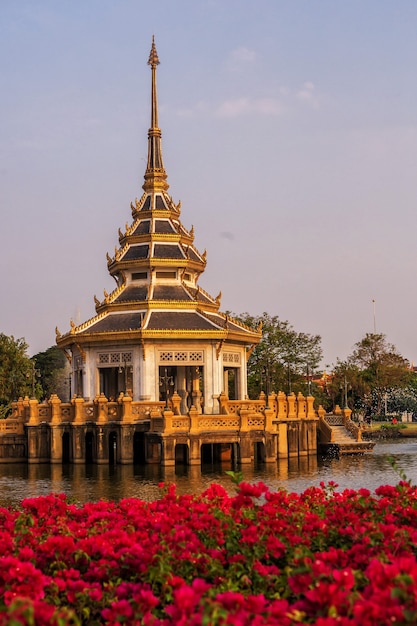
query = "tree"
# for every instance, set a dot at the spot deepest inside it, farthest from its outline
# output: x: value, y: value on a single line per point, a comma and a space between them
x: 53, y: 372
x: 15, y: 370
x: 284, y: 360
x: 381, y: 369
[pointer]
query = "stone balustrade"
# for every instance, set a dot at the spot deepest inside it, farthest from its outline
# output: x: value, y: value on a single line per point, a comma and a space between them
x: 245, y: 415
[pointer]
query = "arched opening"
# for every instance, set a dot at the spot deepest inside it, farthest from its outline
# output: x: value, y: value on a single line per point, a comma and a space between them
x: 112, y: 448
x: 66, y: 447
x: 89, y: 447
x: 181, y: 454
x: 139, y: 456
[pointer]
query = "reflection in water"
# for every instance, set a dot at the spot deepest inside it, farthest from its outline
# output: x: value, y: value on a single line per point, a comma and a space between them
x: 84, y: 483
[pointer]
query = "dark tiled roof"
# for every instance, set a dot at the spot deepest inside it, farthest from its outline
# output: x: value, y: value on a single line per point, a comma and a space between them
x: 178, y: 321
x: 193, y: 255
x: 163, y: 226
x: 142, y: 228
x: 159, y: 202
x: 164, y: 251
x: 121, y: 322
x: 201, y: 297
x: 170, y: 292
x: 133, y: 293
x: 136, y: 252
x: 147, y: 204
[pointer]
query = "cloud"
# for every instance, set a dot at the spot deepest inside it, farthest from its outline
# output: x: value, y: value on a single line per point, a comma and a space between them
x: 245, y: 106
x: 308, y: 94
x: 240, y: 58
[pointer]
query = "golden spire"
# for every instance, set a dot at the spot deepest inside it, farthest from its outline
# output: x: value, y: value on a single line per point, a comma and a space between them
x: 155, y: 175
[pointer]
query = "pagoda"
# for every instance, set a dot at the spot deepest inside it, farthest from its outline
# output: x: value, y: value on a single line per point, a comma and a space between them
x: 158, y: 334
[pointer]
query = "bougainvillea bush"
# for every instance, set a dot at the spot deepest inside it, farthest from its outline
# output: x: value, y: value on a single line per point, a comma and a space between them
x: 259, y: 557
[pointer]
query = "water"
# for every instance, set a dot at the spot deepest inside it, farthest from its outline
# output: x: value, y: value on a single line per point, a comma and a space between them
x: 84, y: 483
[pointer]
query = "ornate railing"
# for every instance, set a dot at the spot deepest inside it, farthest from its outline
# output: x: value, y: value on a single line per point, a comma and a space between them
x: 234, y: 415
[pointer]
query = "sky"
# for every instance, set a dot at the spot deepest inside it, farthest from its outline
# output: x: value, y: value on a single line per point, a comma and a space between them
x: 289, y: 134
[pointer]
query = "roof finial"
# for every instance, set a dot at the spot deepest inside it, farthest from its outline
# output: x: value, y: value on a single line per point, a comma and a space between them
x: 155, y: 175
x: 153, y: 56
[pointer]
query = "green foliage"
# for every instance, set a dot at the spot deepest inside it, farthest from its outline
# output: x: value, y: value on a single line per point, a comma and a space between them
x: 284, y: 359
x: 371, y: 378
x: 51, y: 366
x: 15, y: 369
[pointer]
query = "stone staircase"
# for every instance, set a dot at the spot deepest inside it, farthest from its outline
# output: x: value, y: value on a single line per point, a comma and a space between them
x: 339, y: 435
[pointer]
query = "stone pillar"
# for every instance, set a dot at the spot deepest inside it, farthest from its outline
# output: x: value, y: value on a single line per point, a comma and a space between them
x: 56, y: 444
x: 282, y: 440
x: 168, y: 452
x: 196, y: 393
x: 246, y: 452
x: 126, y: 444
x: 271, y: 451
x: 55, y: 429
x: 302, y: 438
x: 78, y: 442
x: 293, y: 439
x: 312, y: 437
x: 102, y: 453
x: 32, y: 435
x: 195, y: 451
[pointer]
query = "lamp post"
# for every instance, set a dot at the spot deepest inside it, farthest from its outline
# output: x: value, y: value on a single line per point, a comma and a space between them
x: 265, y: 372
x: 68, y: 382
x: 344, y: 388
x: 308, y: 379
x: 166, y: 382
x: 123, y: 370
x: 289, y: 378
x: 34, y: 374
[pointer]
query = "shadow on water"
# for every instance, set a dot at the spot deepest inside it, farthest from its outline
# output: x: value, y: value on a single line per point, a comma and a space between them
x: 89, y: 482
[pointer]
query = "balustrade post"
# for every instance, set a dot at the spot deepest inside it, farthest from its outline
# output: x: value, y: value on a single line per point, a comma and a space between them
x: 291, y: 406
x: 311, y: 414
x: 126, y: 405
x: 193, y: 413
x: 79, y: 410
x: 176, y: 403
x: 102, y: 409
x: 282, y: 406
x: 33, y: 412
x: 55, y: 404
x: 301, y: 406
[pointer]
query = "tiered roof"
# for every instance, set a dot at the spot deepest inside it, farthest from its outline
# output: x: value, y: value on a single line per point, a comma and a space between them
x: 156, y: 268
